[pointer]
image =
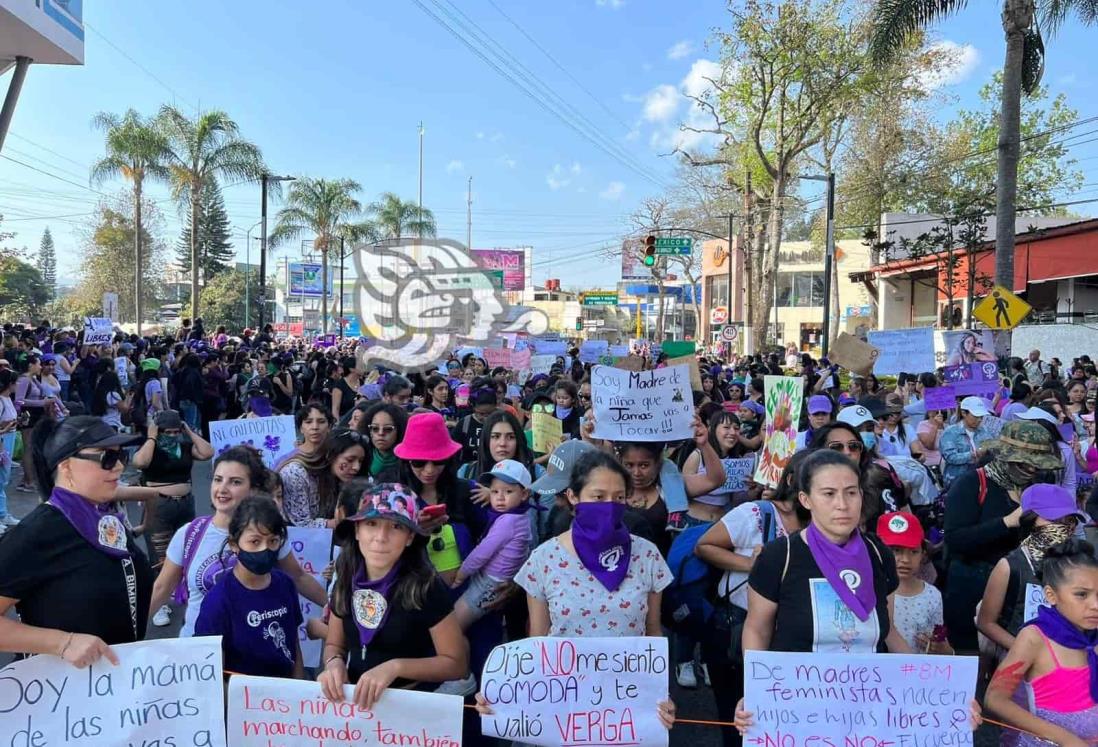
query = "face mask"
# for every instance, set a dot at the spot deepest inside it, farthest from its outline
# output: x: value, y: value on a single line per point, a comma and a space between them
x: 563, y: 412
x: 260, y: 563
x: 1019, y: 475
x: 869, y: 438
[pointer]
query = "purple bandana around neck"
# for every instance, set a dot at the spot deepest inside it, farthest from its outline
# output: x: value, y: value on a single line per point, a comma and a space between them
x: 1059, y: 629
x: 847, y: 568
x: 98, y: 523
x: 602, y: 541
x: 370, y: 601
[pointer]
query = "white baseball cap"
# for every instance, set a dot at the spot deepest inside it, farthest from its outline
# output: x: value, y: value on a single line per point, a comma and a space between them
x: 855, y: 415
x: 975, y: 406
x: 509, y: 471
x: 1036, y: 413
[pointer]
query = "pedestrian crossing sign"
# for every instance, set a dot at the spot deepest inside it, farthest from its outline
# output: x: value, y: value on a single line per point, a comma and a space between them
x: 1001, y: 309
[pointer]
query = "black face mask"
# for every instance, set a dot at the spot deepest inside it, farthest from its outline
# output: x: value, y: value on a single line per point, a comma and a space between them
x: 260, y: 562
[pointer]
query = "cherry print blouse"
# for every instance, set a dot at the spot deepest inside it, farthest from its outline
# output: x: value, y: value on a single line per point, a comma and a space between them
x: 579, y: 605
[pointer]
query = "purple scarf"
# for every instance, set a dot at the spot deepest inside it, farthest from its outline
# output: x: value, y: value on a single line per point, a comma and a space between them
x: 1059, y: 629
x: 370, y: 601
x: 602, y: 541
x: 493, y: 515
x: 98, y: 523
x: 847, y: 568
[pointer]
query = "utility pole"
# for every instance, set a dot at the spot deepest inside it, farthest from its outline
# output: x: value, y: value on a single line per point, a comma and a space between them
x: 728, y: 259
x: 341, y: 263
x: 469, y: 217
x: 420, y: 215
x: 262, y: 254
x: 829, y: 260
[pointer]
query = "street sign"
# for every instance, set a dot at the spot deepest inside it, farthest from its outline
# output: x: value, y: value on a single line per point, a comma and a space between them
x: 676, y: 245
x: 1001, y: 309
x: 730, y: 333
x: 110, y: 306
x: 718, y: 315
x: 599, y: 298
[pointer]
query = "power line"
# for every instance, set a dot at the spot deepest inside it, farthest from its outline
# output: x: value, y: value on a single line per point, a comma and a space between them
x: 138, y: 65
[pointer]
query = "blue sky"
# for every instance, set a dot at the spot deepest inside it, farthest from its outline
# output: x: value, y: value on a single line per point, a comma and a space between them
x: 337, y: 89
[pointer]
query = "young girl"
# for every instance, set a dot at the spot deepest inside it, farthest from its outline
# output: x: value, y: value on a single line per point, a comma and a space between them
x: 1055, y: 656
x: 255, y: 608
x: 565, y: 394
x: 917, y: 606
x: 503, y: 549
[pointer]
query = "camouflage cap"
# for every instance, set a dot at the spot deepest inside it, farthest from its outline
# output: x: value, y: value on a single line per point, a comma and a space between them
x: 1028, y: 443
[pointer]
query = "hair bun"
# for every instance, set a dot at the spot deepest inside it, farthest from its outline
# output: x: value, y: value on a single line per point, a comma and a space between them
x: 1071, y: 548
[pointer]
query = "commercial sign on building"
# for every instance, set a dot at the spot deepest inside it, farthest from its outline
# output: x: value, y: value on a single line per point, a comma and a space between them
x: 305, y: 279
x: 512, y: 262
x: 599, y: 298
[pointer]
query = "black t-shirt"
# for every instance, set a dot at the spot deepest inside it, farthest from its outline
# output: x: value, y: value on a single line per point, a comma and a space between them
x: 62, y: 582
x: 166, y: 469
x: 811, y: 617
x: 406, y: 634
x: 467, y: 433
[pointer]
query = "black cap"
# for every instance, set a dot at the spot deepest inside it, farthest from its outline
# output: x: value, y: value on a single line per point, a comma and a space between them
x: 83, y: 432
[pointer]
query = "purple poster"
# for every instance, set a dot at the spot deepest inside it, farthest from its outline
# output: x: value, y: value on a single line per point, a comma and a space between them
x: 940, y: 398
x: 980, y: 379
x: 511, y: 261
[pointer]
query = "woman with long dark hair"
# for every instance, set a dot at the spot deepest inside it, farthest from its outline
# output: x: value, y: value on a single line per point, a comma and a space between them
x: 383, y: 424
x: 107, y: 395
x: 31, y: 404
x: 311, y: 482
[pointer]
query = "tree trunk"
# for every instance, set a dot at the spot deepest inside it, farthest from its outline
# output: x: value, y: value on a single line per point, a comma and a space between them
x: 769, y: 262
x: 196, y: 189
x: 1017, y: 18
x: 324, y: 286
x: 659, y: 313
x: 835, y: 303
x: 137, y: 284
x: 694, y: 296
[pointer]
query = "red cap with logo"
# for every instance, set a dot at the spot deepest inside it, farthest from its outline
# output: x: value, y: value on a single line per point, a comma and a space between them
x: 899, y: 529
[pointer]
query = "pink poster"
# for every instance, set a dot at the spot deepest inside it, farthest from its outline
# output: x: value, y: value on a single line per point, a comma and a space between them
x: 511, y: 261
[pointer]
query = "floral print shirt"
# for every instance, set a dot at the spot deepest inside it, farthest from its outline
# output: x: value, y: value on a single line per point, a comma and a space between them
x: 300, y: 496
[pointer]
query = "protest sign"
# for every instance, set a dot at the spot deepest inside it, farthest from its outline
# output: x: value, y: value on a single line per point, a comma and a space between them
x: 590, y: 350
x: 973, y: 379
x: 541, y: 364
x: 496, y: 357
x: 520, y: 359
x: 619, y: 351
x: 268, y: 712
x: 166, y: 688
x: 547, y: 432
x: 554, y: 347
x: 274, y: 437
x: 678, y: 348
x: 909, y: 350
x: 1067, y: 432
x: 312, y: 547
x: 629, y: 363
x: 577, y: 691
x: 737, y: 472
x: 98, y: 330
x: 858, y: 700
x: 940, y: 398
x: 853, y: 354
x: 692, y: 364
x: 784, y: 398
x: 642, y: 405
x: 963, y: 346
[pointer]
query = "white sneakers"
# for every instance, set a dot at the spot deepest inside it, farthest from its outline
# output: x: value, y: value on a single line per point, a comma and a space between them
x: 686, y: 674
x: 9, y: 520
x: 465, y: 686
x: 163, y: 617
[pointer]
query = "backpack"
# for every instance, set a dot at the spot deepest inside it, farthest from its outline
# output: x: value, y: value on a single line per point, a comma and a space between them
x: 196, y: 530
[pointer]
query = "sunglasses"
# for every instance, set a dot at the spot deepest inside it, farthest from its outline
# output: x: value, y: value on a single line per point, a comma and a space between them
x: 107, y: 459
x: 382, y: 430
x: 421, y: 463
x: 854, y: 447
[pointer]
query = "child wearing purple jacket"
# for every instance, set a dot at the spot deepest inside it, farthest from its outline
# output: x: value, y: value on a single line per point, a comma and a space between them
x: 504, y: 547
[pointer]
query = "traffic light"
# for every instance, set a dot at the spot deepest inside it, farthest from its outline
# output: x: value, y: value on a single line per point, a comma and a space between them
x: 650, y: 251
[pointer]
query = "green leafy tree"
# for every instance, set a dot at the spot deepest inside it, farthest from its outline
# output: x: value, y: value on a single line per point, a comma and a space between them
x: 895, y: 21
x: 324, y: 208
x: 47, y: 263
x: 23, y: 291
x: 136, y: 151
x: 223, y: 299
x: 395, y: 218
x: 214, y: 247
x: 199, y: 151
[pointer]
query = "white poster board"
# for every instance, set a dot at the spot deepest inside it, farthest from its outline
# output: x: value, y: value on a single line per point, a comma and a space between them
x: 737, y: 472
x: 654, y: 405
x: 910, y: 350
x: 592, y: 350
x: 266, y: 712
x: 311, y: 546
x: 577, y: 691
x: 820, y: 700
x: 274, y: 436
x: 166, y: 688
x: 98, y: 330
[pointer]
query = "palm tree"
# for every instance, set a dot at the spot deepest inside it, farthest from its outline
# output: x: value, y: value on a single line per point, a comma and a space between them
x: 200, y: 150
x: 896, y: 21
x: 324, y: 208
x: 136, y: 152
x: 395, y: 218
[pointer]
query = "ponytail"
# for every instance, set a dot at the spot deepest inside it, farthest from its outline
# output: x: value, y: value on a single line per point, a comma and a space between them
x: 43, y: 472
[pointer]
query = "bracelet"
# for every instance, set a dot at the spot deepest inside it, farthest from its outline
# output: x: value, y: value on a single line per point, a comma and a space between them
x: 66, y: 646
x: 330, y: 659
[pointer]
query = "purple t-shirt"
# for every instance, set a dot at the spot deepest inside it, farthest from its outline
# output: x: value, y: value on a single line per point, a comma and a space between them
x: 258, y: 629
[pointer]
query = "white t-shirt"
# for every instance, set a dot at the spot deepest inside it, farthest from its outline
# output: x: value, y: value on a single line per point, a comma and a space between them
x: 889, y: 443
x: 744, y: 524
x: 206, y: 568
x: 112, y: 417
x: 917, y: 614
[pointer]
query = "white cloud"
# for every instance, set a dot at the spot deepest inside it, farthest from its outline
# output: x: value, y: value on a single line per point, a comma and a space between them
x: 670, y: 107
x: 615, y: 4
x: 660, y: 103
x: 961, y: 61
x: 454, y: 166
x: 556, y: 178
x: 613, y: 191
x: 508, y: 161
x: 576, y: 168
x: 480, y: 136
x: 493, y: 137
x: 680, y: 50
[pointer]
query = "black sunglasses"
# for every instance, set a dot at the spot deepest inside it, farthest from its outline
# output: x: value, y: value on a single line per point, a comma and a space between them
x: 421, y: 463
x: 106, y: 459
x: 851, y: 446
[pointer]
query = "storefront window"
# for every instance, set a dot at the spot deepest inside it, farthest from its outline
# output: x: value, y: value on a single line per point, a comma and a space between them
x: 799, y: 289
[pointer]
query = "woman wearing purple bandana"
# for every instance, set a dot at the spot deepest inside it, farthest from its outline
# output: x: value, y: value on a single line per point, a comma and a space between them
x: 392, y: 618
x: 71, y: 568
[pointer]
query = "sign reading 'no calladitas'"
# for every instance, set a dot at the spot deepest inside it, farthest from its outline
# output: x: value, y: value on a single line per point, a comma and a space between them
x: 652, y: 405
x: 272, y: 436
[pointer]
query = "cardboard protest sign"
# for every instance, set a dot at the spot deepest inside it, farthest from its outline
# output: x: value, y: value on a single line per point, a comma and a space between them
x: 629, y: 363
x: 591, y: 350
x: 312, y: 547
x: 274, y: 436
x: 940, y: 398
x: 542, y: 363
x: 577, y: 691
x: 496, y: 357
x: 692, y: 364
x: 853, y: 354
x: 737, y: 472
x: 784, y: 397
x: 98, y: 330
x: 266, y: 711
x: 845, y: 699
x: 520, y: 359
x: 642, y: 405
x: 166, y: 688
x: 547, y: 430
x: 973, y: 379
x: 910, y: 350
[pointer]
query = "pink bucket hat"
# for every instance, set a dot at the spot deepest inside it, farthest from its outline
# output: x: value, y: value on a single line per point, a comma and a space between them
x: 427, y: 438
